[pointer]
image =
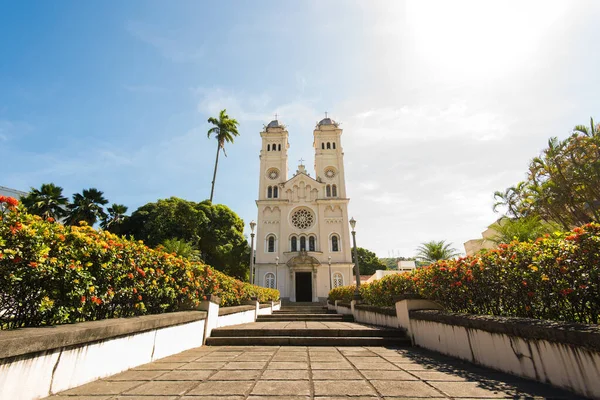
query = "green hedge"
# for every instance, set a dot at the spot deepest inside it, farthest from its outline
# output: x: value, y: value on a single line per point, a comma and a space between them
x: 52, y: 274
x: 556, y: 277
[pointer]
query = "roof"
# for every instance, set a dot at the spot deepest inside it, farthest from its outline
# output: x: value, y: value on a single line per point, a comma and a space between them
x: 327, y: 121
x: 274, y: 124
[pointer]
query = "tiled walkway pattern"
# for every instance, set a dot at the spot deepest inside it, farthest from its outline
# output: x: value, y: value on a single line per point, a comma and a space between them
x: 301, y: 373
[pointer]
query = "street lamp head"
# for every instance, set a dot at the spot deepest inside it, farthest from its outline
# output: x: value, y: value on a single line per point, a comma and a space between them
x: 352, y: 223
x: 252, y: 225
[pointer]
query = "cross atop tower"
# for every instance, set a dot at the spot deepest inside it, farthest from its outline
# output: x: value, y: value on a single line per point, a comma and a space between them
x: 276, y: 115
x: 301, y: 161
x: 325, y: 114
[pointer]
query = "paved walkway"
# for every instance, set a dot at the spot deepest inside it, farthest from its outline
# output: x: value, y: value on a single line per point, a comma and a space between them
x: 301, y: 373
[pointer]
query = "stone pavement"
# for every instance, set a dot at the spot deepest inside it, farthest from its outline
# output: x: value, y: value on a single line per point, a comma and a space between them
x: 301, y: 373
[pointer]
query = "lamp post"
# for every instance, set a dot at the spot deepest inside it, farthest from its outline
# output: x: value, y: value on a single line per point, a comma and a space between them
x: 252, y: 226
x: 356, y: 266
x: 276, y: 272
x: 330, y: 282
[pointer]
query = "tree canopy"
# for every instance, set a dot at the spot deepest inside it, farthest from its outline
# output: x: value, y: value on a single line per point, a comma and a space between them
x: 47, y: 201
x: 368, y: 262
x: 563, y: 183
x: 214, y: 230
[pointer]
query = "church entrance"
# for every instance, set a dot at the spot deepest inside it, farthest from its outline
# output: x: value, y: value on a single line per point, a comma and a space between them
x: 303, y: 286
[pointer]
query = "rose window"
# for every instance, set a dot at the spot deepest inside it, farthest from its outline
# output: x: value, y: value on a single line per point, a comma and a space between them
x: 273, y: 173
x: 330, y: 172
x: 303, y: 218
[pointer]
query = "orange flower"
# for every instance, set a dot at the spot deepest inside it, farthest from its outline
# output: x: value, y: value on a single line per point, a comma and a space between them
x: 33, y: 264
x: 140, y: 297
x: 50, y: 219
x: 83, y: 299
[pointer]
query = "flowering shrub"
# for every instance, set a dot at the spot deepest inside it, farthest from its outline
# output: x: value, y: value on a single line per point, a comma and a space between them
x: 52, y: 274
x: 342, y: 293
x: 556, y: 277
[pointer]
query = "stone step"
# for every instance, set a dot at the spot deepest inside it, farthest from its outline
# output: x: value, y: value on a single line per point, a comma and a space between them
x: 305, y: 317
x: 304, y: 312
x: 306, y: 332
x: 307, y: 341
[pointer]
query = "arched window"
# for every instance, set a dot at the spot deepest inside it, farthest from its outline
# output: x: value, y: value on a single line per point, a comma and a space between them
x: 335, y: 245
x: 328, y: 190
x: 311, y: 243
x: 294, y: 244
x: 338, y: 280
x: 271, y: 244
x: 328, y: 145
x: 333, y: 145
x: 270, y: 280
x: 333, y: 191
x: 278, y: 147
x: 323, y: 145
x: 269, y: 192
x: 268, y: 147
x: 302, y: 243
x: 275, y: 192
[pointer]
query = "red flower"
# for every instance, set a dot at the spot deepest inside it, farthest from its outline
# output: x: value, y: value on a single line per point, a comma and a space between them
x: 524, y: 283
x: 140, y: 297
x: 11, y: 201
x: 130, y: 275
x: 33, y: 264
x: 50, y: 219
x: 530, y: 294
x: 83, y: 299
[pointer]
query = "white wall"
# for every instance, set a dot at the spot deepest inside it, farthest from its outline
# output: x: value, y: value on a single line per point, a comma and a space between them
x: 565, y: 366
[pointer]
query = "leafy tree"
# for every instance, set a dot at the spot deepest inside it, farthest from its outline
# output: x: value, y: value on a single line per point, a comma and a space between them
x: 563, y: 183
x: 521, y: 229
x: 432, y: 251
x: 368, y: 262
x: 115, y: 218
x: 87, y: 206
x: 47, y: 202
x: 224, y: 129
x: 181, y: 248
x: 214, y: 230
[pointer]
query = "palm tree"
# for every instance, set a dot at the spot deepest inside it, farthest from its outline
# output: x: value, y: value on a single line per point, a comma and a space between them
x: 47, y: 202
x: 181, y: 248
x: 433, y: 251
x: 225, y: 129
x: 115, y: 217
x: 87, y: 206
x: 521, y: 229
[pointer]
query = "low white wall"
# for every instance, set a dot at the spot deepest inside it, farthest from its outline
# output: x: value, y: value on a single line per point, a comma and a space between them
x: 26, y: 378
x: 565, y: 366
x: 243, y: 317
x: 374, y: 318
x: 342, y: 310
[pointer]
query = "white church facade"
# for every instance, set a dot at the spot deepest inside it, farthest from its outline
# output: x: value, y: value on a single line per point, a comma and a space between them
x: 303, y: 237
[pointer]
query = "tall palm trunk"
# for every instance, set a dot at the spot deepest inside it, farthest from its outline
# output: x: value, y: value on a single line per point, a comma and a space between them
x: 212, y: 189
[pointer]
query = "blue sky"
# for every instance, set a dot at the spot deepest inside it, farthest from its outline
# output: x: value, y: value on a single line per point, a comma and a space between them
x: 442, y: 103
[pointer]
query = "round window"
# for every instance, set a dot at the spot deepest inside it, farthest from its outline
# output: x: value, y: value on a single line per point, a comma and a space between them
x: 303, y: 218
x: 330, y: 172
x: 273, y: 173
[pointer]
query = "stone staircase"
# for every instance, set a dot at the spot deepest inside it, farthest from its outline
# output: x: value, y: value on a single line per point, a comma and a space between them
x: 308, y: 324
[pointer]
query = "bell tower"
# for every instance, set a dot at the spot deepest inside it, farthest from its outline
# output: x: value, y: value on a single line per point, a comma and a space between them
x: 329, y: 158
x: 273, y: 160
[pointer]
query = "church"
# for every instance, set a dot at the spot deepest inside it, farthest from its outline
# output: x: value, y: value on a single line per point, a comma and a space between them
x: 303, y: 244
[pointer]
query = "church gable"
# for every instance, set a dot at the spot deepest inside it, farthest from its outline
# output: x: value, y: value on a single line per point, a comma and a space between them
x: 302, y: 187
